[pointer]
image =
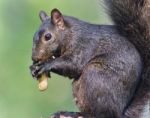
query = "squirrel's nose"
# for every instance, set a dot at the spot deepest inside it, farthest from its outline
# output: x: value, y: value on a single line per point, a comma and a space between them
x: 35, y: 58
x: 35, y: 54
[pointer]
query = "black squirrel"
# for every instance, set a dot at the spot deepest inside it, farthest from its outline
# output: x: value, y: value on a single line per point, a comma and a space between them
x: 109, y: 64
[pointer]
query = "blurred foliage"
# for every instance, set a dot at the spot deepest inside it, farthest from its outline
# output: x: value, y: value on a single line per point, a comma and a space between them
x: 19, y: 96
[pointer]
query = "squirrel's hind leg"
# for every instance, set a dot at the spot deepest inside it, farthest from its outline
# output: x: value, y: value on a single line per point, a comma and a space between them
x: 70, y: 115
x: 96, y: 92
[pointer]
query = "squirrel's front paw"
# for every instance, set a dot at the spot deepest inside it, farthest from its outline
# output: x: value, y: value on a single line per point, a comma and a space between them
x: 38, y: 69
x: 33, y: 70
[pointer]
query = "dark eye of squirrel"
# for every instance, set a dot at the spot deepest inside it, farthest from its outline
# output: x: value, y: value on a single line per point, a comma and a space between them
x: 48, y: 37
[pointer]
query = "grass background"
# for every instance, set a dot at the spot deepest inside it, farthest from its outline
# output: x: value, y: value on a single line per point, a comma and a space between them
x: 19, y: 96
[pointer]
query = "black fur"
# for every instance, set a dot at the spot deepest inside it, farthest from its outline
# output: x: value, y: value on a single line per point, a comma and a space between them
x: 132, y: 20
x: 109, y: 64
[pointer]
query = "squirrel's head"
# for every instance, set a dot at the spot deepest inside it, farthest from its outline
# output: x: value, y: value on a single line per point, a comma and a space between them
x: 48, y: 39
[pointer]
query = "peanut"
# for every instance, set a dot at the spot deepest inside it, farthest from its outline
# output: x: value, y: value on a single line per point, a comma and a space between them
x: 43, y: 82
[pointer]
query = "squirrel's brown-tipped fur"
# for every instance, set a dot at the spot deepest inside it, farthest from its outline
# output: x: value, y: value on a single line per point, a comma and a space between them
x: 132, y: 18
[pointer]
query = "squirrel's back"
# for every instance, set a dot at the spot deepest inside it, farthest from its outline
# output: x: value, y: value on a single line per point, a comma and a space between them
x: 103, y: 37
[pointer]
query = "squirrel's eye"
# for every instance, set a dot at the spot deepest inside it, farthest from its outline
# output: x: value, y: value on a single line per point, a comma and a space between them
x: 48, y: 37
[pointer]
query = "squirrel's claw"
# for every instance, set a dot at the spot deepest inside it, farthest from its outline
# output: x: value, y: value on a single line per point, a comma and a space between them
x: 41, y: 71
x: 45, y: 68
x: 34, y: 70
x: 38, y: 69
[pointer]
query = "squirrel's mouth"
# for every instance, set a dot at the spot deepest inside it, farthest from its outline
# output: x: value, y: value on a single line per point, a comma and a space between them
x: 45, y: 60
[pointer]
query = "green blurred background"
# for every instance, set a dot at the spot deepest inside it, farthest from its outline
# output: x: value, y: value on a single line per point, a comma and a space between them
x: 19, y: 95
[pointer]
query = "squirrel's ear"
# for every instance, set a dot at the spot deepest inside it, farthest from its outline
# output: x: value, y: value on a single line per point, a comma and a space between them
x: 43, y: 16
x: 57, y: 19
